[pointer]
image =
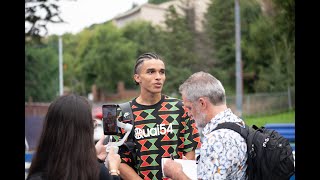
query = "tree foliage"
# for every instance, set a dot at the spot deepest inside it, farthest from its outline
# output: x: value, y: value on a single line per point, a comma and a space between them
x: 148, y: 38
x: 272, y: 52
x: 221, y: 31
x: 179, y: 50
x: 71, y: 65
x: 41, y: 72
x: 250, y: 16
x: 38, y: 13
x: 267, y: 44
x: 285, y: 17
x: 106, y: 59
x: 103, y: 54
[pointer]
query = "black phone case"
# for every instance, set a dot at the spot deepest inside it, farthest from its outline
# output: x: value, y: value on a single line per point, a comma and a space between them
x: 113, y: 129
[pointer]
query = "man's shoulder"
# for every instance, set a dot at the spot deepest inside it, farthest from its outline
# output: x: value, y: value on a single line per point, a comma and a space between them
x: 226, y: 133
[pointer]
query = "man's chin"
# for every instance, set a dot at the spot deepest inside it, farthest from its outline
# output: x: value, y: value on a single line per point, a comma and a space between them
x: 157, y: 90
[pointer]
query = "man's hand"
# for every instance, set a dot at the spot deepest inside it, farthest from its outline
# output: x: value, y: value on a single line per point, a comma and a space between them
x: 172, y: 168
x: 101, y: 149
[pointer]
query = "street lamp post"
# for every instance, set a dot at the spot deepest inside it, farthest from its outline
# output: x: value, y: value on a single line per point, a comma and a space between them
x: 60, y: 67
x: 238, y: 59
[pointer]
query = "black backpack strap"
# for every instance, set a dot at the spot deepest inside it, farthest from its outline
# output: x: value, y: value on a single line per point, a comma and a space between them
x: 126, y: 111
x: 128, y: 117
x: 244, y: 132
x: 233, y: 126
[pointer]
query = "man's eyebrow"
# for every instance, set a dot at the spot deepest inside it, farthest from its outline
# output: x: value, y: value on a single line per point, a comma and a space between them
x: 150, y: 69
x: 162, y: 69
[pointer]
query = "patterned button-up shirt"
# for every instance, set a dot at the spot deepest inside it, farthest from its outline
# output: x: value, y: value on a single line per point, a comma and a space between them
x: 223, y: 151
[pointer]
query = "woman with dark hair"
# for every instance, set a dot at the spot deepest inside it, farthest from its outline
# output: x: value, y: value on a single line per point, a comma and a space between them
x: 66, y: 149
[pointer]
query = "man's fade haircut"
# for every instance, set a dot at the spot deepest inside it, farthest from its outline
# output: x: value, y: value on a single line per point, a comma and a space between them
x: 142, y: 58
x: 202, y: 84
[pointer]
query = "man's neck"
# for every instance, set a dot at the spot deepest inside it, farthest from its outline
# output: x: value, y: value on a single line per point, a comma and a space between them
x: 214, y: 110
x: 148, y: 98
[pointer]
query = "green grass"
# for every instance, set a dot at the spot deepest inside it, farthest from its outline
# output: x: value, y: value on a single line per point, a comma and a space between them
x: 286, y: 117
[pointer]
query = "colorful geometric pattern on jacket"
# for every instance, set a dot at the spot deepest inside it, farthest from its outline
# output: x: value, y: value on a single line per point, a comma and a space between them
x: 160, y: 130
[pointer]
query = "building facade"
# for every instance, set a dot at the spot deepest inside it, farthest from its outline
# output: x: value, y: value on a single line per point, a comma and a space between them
x: 156, y: 13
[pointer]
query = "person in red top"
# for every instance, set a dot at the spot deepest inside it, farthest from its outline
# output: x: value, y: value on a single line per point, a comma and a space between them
x: 161, y: 124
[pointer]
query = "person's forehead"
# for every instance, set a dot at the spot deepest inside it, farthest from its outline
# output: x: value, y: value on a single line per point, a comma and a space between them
x: 153, y: 63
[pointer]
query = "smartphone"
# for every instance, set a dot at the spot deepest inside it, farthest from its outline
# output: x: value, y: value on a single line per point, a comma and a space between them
x: 109, y: 121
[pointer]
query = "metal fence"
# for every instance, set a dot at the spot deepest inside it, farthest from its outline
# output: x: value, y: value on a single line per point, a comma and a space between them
x: 261, y: 104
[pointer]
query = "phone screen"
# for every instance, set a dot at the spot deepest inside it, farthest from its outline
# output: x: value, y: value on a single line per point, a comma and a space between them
x: 110, y: 119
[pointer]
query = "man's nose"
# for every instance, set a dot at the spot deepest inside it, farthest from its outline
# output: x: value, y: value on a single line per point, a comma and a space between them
x: 158, y: 75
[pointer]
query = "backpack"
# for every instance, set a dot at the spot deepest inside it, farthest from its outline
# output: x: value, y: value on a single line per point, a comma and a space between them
x: 269, y: 153
x: 128, y: 145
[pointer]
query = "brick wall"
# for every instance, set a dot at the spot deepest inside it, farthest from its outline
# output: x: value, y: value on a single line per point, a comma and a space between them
x: 122, y: 93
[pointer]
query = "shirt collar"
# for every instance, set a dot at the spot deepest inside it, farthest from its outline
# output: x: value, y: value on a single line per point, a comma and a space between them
x: 223, y: 116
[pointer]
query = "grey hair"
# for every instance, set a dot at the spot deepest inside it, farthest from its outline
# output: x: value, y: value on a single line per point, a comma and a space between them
x: 202, y: 84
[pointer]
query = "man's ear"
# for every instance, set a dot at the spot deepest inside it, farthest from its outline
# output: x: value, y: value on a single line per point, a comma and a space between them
x: 136, y: 77
x: 203, y: 103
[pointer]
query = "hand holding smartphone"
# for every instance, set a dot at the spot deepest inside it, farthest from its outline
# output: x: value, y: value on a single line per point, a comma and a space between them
x: 109, y: 120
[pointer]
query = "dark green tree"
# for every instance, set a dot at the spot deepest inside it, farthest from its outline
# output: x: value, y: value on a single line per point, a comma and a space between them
x: 267, y: 44
x: 282, y: 25
x: 285, y: 17
x: 41, y: 72
x: 285, y: 20
x: 258, y: 51
x: 220, y: 28
x: 250, y: 14
x: 71, y: 63
x: 147, y: 37
x: 106, y: 58
x: 41, y: 56
x: 179, y: 50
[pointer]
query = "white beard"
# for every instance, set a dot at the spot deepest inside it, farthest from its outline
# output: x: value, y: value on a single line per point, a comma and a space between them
x: 201, y: 119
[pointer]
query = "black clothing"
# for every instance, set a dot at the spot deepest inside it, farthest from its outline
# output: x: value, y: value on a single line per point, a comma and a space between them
x: 36, y: 176
x: 104, y: 174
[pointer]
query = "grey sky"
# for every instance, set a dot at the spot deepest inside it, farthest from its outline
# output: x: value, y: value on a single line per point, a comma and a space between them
x: 83, y: 13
